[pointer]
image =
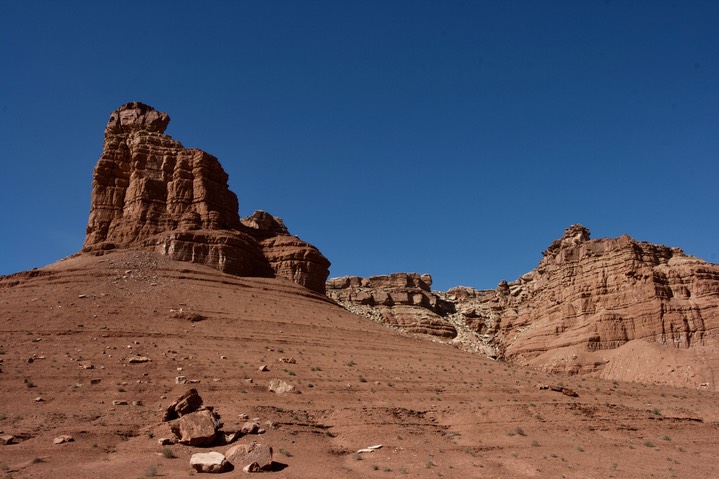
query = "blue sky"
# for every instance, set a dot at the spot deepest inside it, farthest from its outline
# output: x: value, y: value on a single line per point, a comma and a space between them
x: 452, y: 138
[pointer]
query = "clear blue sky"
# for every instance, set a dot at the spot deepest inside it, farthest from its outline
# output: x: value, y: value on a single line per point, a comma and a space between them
x: 444, y: 137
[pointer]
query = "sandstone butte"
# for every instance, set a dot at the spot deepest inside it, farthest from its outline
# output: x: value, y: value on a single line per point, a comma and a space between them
x: 616, y: 308
x: 173, y: 290
x: 151, y: 193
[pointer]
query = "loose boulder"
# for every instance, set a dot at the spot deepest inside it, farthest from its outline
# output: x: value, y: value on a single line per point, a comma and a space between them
x: 198, y: 428
x: 243, y: 455
x: 189, y: 402
x: 212, y: 462
x: 279, y: 386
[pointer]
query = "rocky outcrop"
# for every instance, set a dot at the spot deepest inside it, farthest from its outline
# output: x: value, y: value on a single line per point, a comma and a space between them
x: 402, y: 300
x: 598, y: 295
x: 150, y: 192
x: 585, y: 298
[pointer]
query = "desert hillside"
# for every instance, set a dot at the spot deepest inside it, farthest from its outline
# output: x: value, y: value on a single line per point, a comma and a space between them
x: 69, y: 331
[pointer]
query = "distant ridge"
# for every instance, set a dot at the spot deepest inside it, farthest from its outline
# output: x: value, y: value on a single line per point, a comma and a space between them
x: 586, y: 308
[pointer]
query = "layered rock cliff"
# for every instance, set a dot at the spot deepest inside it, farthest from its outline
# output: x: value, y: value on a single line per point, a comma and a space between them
x: 585, y: 298
x: 150, y: 192
x: 402, y: 300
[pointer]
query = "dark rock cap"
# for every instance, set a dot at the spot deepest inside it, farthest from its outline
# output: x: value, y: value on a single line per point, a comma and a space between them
x: 136, y: 116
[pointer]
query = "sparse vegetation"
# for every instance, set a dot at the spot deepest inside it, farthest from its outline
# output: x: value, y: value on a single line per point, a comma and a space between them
x: 648, y: 443
x: 151, y: 471
x: 285, y: 452
x: 168, y: 454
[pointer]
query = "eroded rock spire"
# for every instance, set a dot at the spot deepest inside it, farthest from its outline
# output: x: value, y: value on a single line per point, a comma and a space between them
x: 150, y: 192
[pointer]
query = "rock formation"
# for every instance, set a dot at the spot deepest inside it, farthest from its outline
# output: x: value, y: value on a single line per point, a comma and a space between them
x: 150, y: 192
x: 585, y: 299
x: 600, y: 294
x: 403, y: 300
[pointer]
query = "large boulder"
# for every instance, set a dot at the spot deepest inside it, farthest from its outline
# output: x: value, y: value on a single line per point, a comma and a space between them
x: 242, y: 455
x: 197, y: 428
x: 211, y: 462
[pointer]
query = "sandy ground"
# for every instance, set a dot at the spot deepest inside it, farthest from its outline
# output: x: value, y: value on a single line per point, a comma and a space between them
x: 436, y: 410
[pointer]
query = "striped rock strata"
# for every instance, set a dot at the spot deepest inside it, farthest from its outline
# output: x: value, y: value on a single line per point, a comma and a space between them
x: 150, y: 192
x: 586, y: 308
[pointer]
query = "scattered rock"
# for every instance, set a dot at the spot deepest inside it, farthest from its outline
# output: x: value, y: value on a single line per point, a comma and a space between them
x: 250, y: 428
x: 138, y: 359
x: 166, y: 441
x: 231, y: 436
x: 95, y: 380
x: 288, y: 360
x: 119, y: 402
x: 279, y: 386
x: 242, y: 455
x: 263, y: 368
x: 212, y: 462
x: 561, y: 389
x: 189, y: 402
x: 253, y: 467
x: 369, y: 449
x: 63, y: 439
x: 6, y: 439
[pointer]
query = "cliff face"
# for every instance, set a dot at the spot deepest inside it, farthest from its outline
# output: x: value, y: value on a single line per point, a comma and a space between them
x: 402, y: 300
x: 150, y: 192
x: 583, y: 302
x: 600, y: 294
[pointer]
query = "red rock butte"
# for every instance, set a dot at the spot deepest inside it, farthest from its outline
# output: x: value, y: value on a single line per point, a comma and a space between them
x: 152, y: 193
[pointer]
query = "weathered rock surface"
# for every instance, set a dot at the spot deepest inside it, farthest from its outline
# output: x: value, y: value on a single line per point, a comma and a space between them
x: 598, y: 295
x: 403, y: 300
x: 190, y: 401
x: 150, y: 192
x: 278, y: 386
x: 211, y: 462
x: 574, y: 312
x: 197, y: 428
x: 242, y: 455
